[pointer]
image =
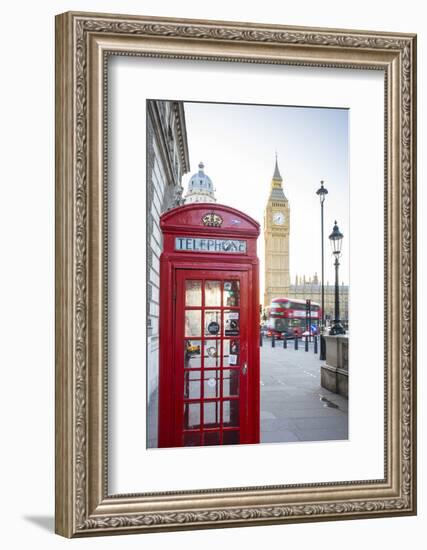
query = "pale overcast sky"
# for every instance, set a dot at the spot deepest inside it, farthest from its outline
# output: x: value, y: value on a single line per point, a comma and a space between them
x: 237, y: 144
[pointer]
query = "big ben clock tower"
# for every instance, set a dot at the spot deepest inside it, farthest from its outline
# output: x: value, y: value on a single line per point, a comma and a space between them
x: 276, y: 235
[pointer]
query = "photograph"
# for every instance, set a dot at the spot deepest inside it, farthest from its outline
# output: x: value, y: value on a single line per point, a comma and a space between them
x: 247, y: 273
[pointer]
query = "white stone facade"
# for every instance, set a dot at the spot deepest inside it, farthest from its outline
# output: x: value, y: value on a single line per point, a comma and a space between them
x: 167, y: 161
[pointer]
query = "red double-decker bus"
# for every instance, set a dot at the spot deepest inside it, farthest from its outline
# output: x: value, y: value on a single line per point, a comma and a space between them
x: 290, y: 318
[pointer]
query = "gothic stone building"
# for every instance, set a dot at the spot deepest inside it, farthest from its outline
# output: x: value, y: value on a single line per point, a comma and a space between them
x: 310, y: 289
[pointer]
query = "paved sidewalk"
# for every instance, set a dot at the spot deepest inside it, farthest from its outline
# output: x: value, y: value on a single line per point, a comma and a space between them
x: 294, y: 406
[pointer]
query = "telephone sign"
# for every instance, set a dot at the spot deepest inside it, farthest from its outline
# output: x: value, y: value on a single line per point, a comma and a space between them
x: 209, y: 331
x: 201, y: 244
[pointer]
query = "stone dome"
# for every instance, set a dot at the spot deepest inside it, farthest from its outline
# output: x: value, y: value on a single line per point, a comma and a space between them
x: 200, y: 187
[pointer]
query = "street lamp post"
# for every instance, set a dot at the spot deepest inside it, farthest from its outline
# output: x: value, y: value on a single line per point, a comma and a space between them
x: 336, y: 238
x: 322, y: 192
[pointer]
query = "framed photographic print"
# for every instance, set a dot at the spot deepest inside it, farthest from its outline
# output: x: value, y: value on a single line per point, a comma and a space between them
x: 235, y: 274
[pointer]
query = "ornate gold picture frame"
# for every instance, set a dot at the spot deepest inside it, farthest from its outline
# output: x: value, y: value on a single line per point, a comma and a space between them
x: 84, y: 43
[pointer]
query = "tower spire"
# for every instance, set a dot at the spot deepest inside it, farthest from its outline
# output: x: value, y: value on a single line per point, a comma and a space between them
x: 276, y: 175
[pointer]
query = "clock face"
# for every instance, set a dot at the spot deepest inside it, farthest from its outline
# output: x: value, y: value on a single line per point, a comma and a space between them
x: 279, y: 218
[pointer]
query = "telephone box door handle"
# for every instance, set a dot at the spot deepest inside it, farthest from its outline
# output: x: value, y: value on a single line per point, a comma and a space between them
x: 244, y: 368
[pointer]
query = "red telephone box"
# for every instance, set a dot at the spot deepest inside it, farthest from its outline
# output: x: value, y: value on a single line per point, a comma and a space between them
x: 209, y: 327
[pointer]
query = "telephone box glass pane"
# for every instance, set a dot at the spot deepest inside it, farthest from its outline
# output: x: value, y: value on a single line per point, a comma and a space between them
x: 192, y: 356
x: 230, y: 383
x: 212, y: 293
x: 192, y: 381
x: 231, y: 437
x: 211, y: 438
x: 212, y: 353
x: 212, y: 384
x: 193, y: 322
x: 211, y: 414
x: 231, y: 323
x: 193, y: 293
x: 191, y: 415
x: 231, y: 353
x: 191, y: 439
x: 230, y: 413
x: 212, y: 322
x: 231, y: 293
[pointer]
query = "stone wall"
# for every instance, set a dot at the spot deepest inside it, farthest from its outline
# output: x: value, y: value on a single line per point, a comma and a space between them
x: 334, y: 374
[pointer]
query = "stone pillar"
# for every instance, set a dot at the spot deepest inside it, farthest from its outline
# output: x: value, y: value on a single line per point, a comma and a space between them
x: 334, y: 374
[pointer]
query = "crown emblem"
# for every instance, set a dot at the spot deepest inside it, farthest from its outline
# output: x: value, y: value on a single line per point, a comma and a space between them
x: 212, y: 220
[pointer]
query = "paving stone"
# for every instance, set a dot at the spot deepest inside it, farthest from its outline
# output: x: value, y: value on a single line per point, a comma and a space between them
x: 282, y: 436
x: 322, y: 434
x: 277, y: 424
x: 333, y: 422
x: 266, y: 415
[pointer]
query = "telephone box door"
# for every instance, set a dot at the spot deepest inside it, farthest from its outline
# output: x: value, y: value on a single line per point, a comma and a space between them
x: 211, y: 367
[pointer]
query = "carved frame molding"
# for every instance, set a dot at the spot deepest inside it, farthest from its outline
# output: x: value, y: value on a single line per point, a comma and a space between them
x: 83, y: 43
